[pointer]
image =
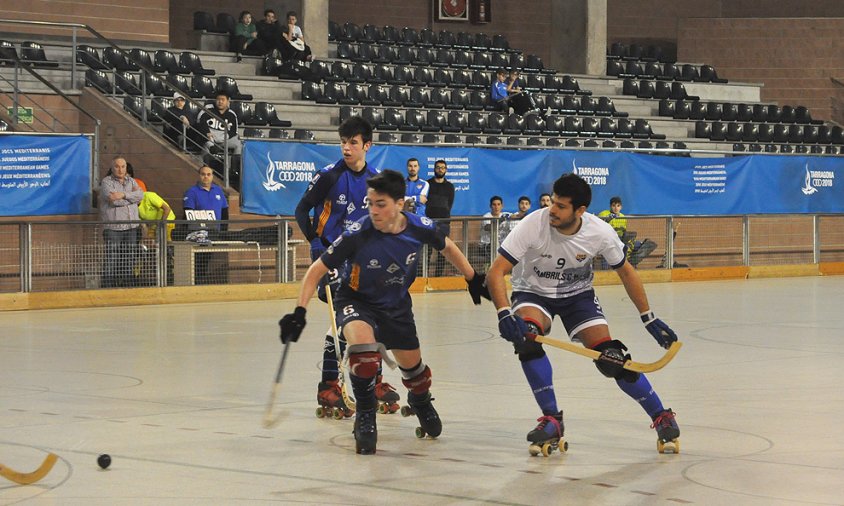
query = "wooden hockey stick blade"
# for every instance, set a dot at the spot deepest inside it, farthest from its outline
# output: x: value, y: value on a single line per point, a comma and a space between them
x: 29, y: 478
x: 271, y: 420
x: 629, y: 365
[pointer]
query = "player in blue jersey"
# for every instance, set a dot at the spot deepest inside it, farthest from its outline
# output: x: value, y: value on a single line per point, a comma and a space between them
x: 337, y: 197
x: 373, y: 303
x: 550, y: 254
x: 417, y: 189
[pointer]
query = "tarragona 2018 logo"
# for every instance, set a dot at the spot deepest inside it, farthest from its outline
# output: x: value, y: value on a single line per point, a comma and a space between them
x: 816, y: 179
x: 594, y: 176
x: 279, y: 172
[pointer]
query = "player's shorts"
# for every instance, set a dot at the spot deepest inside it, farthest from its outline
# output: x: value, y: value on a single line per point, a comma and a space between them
x: 332, y: 279
x: 395, y: 327
x: 576, y: 312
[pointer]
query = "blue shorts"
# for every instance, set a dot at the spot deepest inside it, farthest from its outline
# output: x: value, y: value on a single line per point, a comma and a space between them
x: 394, y: 327
x: 576, y: 312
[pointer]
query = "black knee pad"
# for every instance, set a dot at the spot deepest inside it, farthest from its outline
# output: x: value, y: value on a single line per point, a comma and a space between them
x: 611, y: 363
x: 529, y: 350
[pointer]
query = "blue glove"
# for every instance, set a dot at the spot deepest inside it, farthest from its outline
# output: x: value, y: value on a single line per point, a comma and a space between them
x: 317, y: 248
x: 661, y: 332
x: 511, y: 326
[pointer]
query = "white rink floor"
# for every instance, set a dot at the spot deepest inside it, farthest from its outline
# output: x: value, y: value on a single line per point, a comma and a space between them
x: 176, y: 394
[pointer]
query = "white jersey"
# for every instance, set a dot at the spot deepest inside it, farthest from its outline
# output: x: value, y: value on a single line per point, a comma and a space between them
x: 552, y: 264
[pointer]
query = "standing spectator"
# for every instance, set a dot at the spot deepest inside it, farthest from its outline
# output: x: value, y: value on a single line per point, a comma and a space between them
x: 155, y: 209
x: 270, y: 31
x: 438, y: 207
x: 524, y: 208
x: 207, y: 196
x: 496, y: 213
x: 417, y: 189
x: 337, y: 198
x: 246, y: 39
x: 295, y: 49
x: 178, y: 123
x: 216, y: 132
x: 544, y: 200
x: 118, y: 201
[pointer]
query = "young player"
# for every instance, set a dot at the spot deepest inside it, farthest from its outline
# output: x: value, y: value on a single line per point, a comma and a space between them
x: 550, y: 254
x: 337, y: 196
x: 373, y: 303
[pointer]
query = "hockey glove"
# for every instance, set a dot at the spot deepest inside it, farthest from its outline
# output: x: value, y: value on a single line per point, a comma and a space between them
x: 511, y: 326
x: 478, y: 289
x: 292, y: 324
x: 317, y: 248
x: 661, y: 332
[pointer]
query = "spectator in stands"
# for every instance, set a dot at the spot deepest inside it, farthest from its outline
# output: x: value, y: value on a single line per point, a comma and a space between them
x: 295, y: 49
x: 636, y: 250
x: 270, y: 31
x: 417, y: 189
x: 223, y: 134
x: 544, y: 200
x: 499, y: 93
x: 524, y: 208
x: 246, y: 39
x: 178, y: 122
x: 118, y: 201
x: 521, y: 100
x: 438, y: 207
x: 513, y: 83
x: 205, y: 201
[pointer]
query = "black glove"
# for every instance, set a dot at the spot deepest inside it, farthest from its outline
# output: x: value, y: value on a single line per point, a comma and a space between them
x: 478, y: 288
x: 661, y: 332
x: 292, y: 324
x: 317, y: 248
x: 511, y: 326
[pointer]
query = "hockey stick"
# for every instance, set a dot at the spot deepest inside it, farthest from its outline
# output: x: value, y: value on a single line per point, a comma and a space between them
x: 350, y: 403
x: 270, y: 420
x: 629, y: 365
x: 29, y: 478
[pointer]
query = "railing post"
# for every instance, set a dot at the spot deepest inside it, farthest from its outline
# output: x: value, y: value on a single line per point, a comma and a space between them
x: 426, y: 252
x: 282, y: 272
x: 25, y: 248
x: 73, y: 60
x: 465, y: 238
x: 161, y: 243
x: 15, y: 98
x: 144, y: 98
x: 226, y: 162
x: 745, y: 241
x: 669, y: 242
x: 816, y: 235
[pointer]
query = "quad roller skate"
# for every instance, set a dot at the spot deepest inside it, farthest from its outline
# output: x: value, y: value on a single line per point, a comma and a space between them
x: 429, y: 420
x: 667, y: 431
x: 548, y: 436
x: 365, y: 431
x: 388, y: 398
x: 331, y: 403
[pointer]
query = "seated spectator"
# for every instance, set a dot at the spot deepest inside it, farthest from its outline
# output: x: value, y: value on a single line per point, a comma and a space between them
x: 246, y: 39
x: 524, y: 208
x: 295, y: 49
x: 499, y: 94
x: 178, y: 122
x: 636, y: 250
x: 520, y: 100
x: 270, y: 32
x: 215, y: 132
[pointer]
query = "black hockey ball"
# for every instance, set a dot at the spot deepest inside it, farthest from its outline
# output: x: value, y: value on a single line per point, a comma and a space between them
x: 104, y: 460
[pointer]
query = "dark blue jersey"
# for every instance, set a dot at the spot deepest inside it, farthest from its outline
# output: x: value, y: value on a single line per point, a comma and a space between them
x: 382, y: 266
x: 337, y: 196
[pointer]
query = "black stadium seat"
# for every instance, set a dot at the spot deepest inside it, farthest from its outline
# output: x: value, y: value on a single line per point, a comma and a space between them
x: 190, y: 63
x: 33, y: 53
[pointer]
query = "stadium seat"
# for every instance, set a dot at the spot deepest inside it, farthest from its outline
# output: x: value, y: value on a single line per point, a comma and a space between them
x: 393, y: 119
x: 734, y: 131
x: 127, y: 83
x: 114, y: 59
x: 475, y: 123
x: 180, y: 83
x: 303, y: 135
x: 229, y: 86
x: 90, y: 57
x: 165, y: 61
x: 203, y: 21
x: 369, y: 33
x: 33, y: 53
x: 202, y: 86
x: 719, y: 131
x: 499, y: 43
x: 534, y: 125
x: 389, y: 137
x: 435, y: 121
x: 331, y: 92
x: 729, y: 112
x: 713, y: 111
x: 333, y: 30
x: 244, y: 112
x: 389, y: 35
x: 411, y: 138
x: 457, y: 121
x: 745, y: 112
x: 414, y: 120
x: 409, y: 36
x: 573, y: 143
x: 155, y: 86
x: 189, y: 63
x: 764, y: 132
x: 134, y: 105
x: 749, y: 132
x: 708, y: 74
x: 495, y: 123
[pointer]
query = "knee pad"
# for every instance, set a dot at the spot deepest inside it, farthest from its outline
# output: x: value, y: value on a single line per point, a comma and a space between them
x: 611, y: 363
x: 417, y: 380
x: 534, y: 328
x: 364, y: 360
x: 529, y: 350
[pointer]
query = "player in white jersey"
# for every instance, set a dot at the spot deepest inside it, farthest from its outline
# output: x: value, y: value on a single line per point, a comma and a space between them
x: 550, y: 254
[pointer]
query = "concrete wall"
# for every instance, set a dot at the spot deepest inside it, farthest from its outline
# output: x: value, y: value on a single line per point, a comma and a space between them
x: 115, y: 19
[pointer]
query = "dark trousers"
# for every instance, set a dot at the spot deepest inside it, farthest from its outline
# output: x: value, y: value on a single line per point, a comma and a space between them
x: 439, y: 259
x: 121, y: 251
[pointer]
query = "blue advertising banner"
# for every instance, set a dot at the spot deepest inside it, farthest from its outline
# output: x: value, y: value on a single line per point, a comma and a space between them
x: 275, y: 175
x: 44, y: 175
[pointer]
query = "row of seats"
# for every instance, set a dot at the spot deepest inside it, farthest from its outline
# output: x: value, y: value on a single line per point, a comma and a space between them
x: 162, y: 60
x: 429, y: 138
x: 442, y: 57
x: 726, y: 111
x: 412, y: 120
x: 769, y: 133
x: 620, y: 51
x: 787, y: 148
x: 350, y: 32
x: 129, y: 83
x: 663, y: 71
x: 656, y: 89
x: 277, y: 133
x: 435, y: 77
x: 259, y: 114
x: 31, y: 53
x: 439, y: 98
x: 205, y: 21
